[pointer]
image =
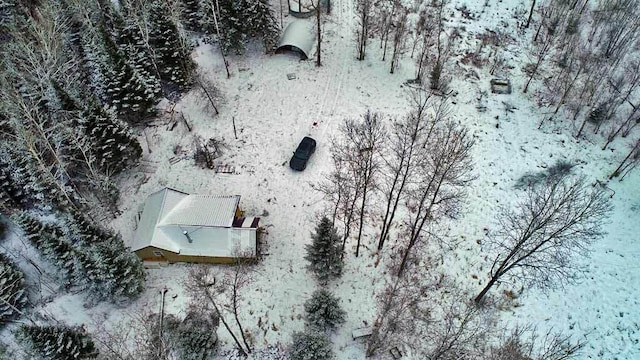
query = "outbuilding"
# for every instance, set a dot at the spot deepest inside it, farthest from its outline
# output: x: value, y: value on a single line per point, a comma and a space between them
x: 299, y: 37
x: 175, y: 226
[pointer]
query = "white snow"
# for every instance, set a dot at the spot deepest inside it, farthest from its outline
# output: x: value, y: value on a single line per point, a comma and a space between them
x: 270, y: 114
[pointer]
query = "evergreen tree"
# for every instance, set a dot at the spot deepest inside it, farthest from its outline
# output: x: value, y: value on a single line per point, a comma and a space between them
x: 125, y: 88
x: 324, y: 252
x: 57, y: 342
x: 13, y: 296
x: 132, y: 44
x: 232, y: 26
x: 191, y: 14
x: 195, y: 337
x: 172, y: 57
x: 120, y: 271
x: 12, y: 195
x: 323, y: 310
x: 261, y: 22
x: 114, y: 145
x: 50, y: 241
x: 310, y: 345
x: 113, y: 271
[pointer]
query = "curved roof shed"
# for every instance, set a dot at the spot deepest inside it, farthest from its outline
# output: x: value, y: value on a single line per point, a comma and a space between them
x: 299, y: 36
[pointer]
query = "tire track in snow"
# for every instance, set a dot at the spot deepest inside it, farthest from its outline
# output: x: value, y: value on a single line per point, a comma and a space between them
x: 345, y: 13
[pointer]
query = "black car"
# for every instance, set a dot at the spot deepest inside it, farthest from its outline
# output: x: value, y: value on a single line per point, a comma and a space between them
x: 302, y: 154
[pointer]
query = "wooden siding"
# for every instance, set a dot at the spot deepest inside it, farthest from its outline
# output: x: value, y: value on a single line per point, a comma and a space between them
x: 147, y: 254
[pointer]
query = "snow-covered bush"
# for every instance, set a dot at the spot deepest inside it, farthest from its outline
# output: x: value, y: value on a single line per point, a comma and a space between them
x: 310, y: 345
x: 57, y: 342
x: 324, y: 252
x: 13, y: 296
x: 323, y: 310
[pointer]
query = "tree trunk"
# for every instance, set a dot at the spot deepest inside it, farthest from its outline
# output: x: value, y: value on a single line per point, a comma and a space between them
x: 235, y: 310
x: 533, y: 4
x: 486, y: 289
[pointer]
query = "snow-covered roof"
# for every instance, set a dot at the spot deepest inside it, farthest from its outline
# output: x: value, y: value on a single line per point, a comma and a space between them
x: 206, y: 219
x: 300, y: 35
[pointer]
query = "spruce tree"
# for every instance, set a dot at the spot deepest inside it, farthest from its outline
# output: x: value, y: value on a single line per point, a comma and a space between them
x: 13, y: 296
x: 115, y: 273
x: 120, y: 271
x: 261, y: 22
x: 191, y: 14
x: 232, y: 26
x: 136, y: 50
x: 310, y: 345
x: 172, y: 57
x: 50, y: 241
x: 12, y: 195
x: 324, y: 311
x: 57, y: 342
x: 125, y: 89
x: 195, y: 337
x: 324, y: 252
x: 114, y: 145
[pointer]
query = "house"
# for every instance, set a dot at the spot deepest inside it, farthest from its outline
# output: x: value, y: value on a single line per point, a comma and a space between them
x: 175, y: 226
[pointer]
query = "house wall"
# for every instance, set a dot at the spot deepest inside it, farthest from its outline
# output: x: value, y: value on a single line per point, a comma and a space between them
x: 147, y: 254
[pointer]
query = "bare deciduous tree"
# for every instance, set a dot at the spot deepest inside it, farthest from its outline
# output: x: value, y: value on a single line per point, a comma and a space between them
x: 441, y: 181
x: 200, y: 284
x: 461, y: 333
x: 525, y: 342
x: 364, y: 19
x: 629, y: 162
x: 536, y: 242
x: 363, y: 140
x: 405, y: 148
x: 399, y: 35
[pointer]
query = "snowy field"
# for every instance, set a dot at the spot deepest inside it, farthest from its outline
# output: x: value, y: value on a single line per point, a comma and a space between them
x: 272, y: 113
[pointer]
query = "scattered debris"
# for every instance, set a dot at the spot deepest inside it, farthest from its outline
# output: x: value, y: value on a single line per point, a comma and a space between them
x: 361, y: 332
x: 291, y: 76
x: 500, y: 86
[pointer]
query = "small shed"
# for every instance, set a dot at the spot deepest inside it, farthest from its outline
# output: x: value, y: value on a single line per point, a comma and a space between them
x: 299, y: 37
x: 301, y: 8
x: 179, y: 227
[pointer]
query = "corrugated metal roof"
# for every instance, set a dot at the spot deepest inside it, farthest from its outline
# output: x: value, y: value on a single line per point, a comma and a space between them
x: 203, y: 210
x: 153, y: 210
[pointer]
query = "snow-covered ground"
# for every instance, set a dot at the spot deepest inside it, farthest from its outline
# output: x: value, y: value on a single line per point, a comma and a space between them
x: 271, y: 115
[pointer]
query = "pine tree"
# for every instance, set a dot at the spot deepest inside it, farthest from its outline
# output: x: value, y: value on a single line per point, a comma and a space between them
x: 261, y: 22
x: 324, y: 253
x: 310, y: 345
x: 13, y: 296
x: 324, y: 311
x: 172, y: 57
x: 57, y: 342
x: 232, y: 26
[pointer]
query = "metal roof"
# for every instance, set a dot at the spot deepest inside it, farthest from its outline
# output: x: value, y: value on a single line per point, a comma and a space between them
x: 203, y: 210
x: 173, y: 208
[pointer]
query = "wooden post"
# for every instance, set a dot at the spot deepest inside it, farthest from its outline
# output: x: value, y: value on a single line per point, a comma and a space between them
x: 185, y: 121
x: 233, y: 121
x: 146, y: 138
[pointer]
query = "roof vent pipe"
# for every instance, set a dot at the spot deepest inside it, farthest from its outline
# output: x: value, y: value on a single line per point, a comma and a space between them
x: 188, y: 237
